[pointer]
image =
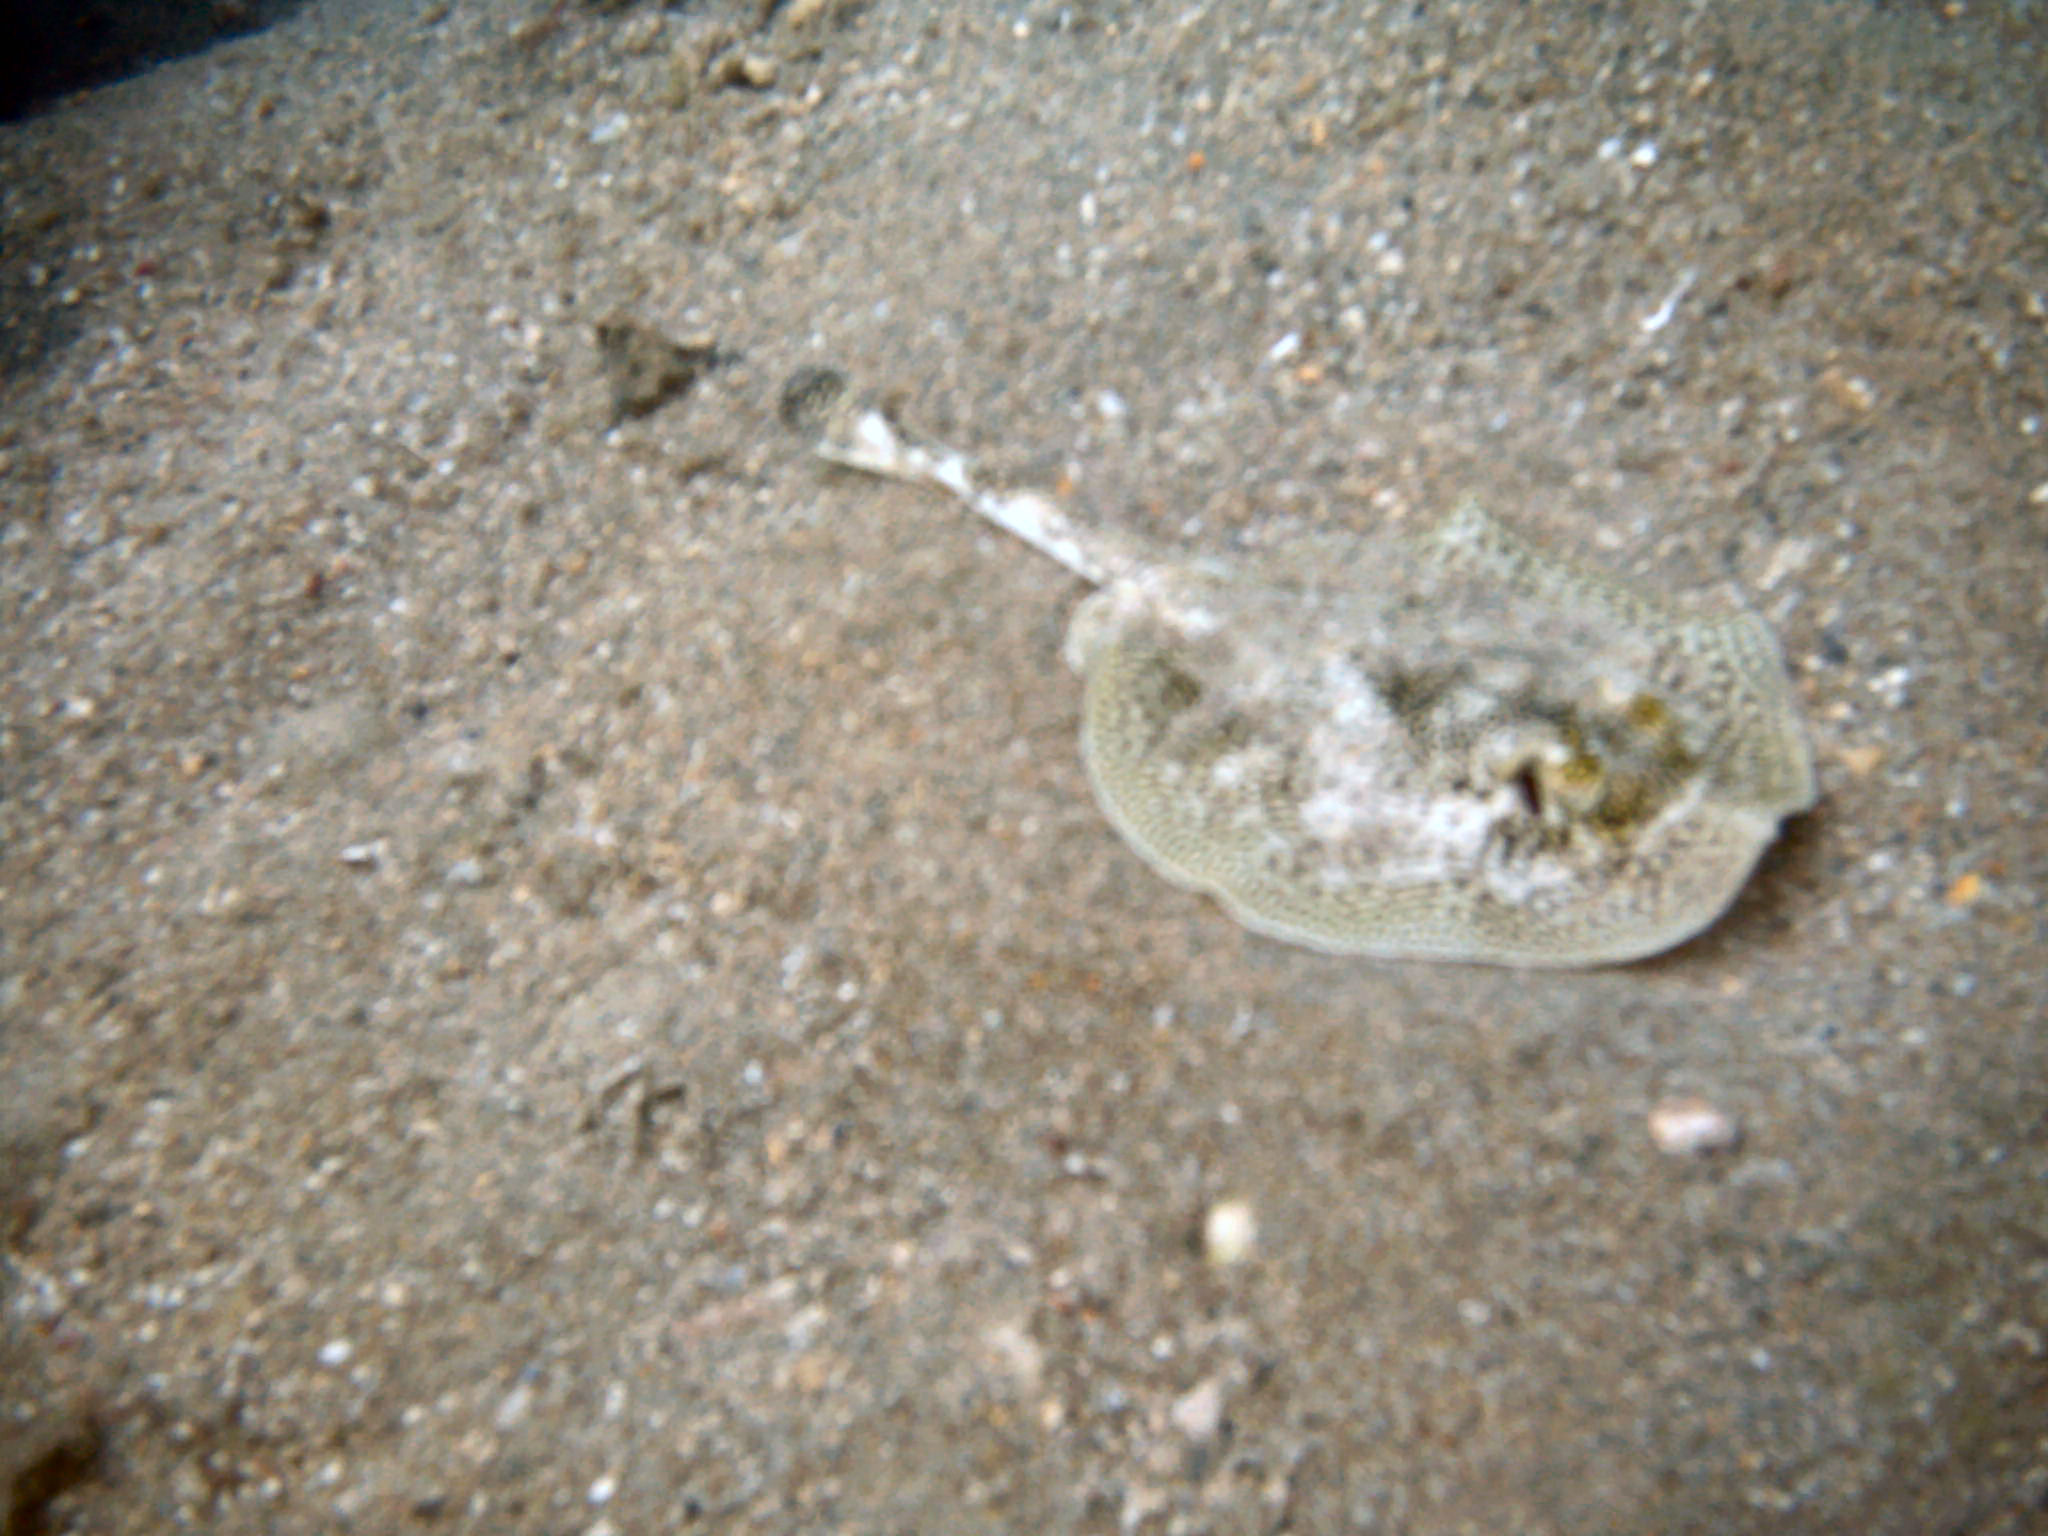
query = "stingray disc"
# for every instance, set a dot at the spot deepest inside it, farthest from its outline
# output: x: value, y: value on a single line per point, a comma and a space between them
x: 1452, y: 747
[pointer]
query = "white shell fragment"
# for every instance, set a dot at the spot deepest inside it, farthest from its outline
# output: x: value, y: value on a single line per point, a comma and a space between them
x: 1449, y: 745
x: 1198, y: 1412
x: 1230, y: 1233
x: 1692, y: 1127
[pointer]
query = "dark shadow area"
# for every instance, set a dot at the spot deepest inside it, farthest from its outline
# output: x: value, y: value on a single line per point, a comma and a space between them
x: 58, y: 46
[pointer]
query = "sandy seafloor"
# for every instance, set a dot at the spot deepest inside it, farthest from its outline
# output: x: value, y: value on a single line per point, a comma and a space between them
x: 563, y: 976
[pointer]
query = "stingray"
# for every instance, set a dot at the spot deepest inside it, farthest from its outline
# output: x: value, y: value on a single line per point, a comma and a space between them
x: 1444, y: 744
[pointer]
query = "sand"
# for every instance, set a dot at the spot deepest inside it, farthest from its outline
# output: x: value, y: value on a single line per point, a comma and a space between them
x: 560, y: 973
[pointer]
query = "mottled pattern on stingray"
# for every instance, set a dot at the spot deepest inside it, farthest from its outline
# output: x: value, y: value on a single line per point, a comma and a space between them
x: 1483, y: 755
x: 1448, y: 745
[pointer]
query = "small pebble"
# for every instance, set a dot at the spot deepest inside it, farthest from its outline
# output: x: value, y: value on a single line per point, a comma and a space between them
x: 754, y: 70
x: 1198, y: 1414
x: 1692, y: 1127
x: 1850, y: 391
x: 514, y: 1408
x: 1230, y: 1233
x: 336, y: 1352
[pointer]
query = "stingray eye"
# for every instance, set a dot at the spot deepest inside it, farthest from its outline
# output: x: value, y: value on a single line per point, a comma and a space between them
x: 1528, y: 787
x: 1553, y: 778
